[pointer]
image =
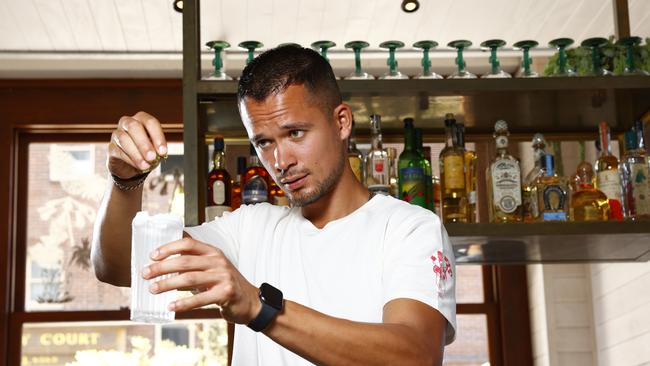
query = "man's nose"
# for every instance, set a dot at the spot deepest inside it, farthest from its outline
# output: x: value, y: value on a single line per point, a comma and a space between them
x: 284, y: 157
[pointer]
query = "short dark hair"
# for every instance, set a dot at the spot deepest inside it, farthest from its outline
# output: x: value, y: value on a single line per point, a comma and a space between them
x: 273, y: 71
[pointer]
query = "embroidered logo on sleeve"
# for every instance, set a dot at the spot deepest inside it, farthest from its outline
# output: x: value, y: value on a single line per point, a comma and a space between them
x: 442, y: 269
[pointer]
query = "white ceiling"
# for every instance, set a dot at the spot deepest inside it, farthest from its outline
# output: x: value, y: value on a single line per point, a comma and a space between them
x: 144, y: 37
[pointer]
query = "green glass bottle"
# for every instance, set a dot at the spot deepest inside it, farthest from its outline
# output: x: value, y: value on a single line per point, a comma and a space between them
x: 411, y: 179
x: 425, y: 156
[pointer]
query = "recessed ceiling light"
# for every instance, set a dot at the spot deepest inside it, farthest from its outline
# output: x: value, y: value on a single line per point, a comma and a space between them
x: 178, y: 5
x: 410, y: 6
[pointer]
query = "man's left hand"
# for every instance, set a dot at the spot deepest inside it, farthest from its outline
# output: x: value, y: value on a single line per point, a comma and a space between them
x: 204, y: 267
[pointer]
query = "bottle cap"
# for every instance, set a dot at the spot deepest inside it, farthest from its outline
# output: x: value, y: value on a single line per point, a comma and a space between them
x: 218, y: 144
x: 548, y: 163
x: 375, y: 121
x: 408, y: 122
x: 538, y: 139
x: 501, y: 126
x: 449, y: 120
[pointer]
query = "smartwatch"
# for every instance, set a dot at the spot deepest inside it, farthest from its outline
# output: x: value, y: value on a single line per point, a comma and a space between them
x: 272, y: 305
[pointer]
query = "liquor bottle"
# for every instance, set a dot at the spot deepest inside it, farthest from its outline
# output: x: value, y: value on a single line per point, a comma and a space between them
x: 470, y: 173
x: 608, y: 179
x: 635, y: 176
x: 412, y: 186
x: 504, y: 180
x: 392, y: 175
x: 529, y: 189
x: 587, y: 203
x: 235, y: 197
x: 425, y: 158
x: 377, y: 164
x: 354, y: 155
x: 552, y: 194
x: 453, y: 196
x: 219, y: 184
x: 256, y: 181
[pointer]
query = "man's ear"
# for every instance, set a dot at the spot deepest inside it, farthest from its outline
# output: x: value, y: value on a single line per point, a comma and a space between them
x: 343, y: 120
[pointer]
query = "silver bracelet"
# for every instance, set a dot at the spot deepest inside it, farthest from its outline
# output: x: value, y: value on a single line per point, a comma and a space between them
x: 129, y: 184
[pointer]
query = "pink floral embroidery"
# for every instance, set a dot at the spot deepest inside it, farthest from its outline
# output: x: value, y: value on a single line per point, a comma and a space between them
x: 442, y: 269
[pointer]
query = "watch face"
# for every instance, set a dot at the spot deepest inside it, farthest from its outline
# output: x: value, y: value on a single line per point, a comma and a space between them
x: 271, y: 296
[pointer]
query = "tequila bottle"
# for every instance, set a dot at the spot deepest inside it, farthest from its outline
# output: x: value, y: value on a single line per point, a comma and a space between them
x: 608, y: 179
x: 377, y: 163
x: 256, y: 181
x: 635, y: 176
x: 425, y: 159
x: 504, y: 180
x: 587, y: 203
x: 219, y: 183
x: 470, y: 173
x: 354, y: 155
x: 453, y: 195
x: 412, y: 184
x: 529, y: 188
x: 552, y: 194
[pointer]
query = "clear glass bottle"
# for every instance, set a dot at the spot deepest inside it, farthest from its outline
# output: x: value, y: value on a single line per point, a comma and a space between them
x: 608, y: 179
x: 635, y: 176
x: 256, y: 181
x: 376, y: 162
x: 504, y: 180
x: 355, y: 157
x: 552, y: 194
x: 529, y: 188
x: 470, y: 173
x: 219, y: 184
x: 425, y: 159
x: 587, y: 203
x: 412, y: 183
x: 453, y: 196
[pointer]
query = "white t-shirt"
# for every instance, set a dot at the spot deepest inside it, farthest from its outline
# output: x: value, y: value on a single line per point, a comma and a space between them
x: 386, y: 249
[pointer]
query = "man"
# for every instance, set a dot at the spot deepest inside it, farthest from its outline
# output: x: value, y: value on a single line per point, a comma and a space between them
x: 342, y: 277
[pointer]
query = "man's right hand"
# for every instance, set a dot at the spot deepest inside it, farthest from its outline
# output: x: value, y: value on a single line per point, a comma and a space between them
x: 135, y: 145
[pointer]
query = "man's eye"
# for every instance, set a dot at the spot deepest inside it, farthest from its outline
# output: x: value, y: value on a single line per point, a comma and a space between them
x: 263, y: 143
x: 297, y: 133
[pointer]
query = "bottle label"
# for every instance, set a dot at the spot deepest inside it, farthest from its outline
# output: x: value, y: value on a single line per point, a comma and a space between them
x: 412, y: 186
x: 380, y: 170
x: 506, y: 185
x: 355, y: 164
x: 454, y: 172
x: 640, y: 189
x: 609, y: 182
x: 554, y: 198
x: 218, y: 192
x: 471, y: 197
x: 212, y: 212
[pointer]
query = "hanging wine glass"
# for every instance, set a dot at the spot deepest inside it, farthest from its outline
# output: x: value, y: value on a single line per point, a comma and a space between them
x: 564, y: 68
x: 358, y: 73
x: 461, y: 72
x: 289, y: 44
x: 251, y: 46
x: 217, y: 62
x: 323, y: 46
x: 495, y: 70
x: 595, y: 45
x: 629, y: 43
x: 525, y: 71
x: 392, y: 73
x: 427, y: 73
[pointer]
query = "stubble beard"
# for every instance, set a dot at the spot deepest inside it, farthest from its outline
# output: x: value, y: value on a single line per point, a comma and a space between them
x: 323, y: 188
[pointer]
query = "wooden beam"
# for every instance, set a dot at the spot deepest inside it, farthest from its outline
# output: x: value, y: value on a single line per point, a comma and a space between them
x: 621, y: 18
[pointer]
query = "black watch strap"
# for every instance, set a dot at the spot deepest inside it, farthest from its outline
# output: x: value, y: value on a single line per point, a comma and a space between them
x: 272, y: 303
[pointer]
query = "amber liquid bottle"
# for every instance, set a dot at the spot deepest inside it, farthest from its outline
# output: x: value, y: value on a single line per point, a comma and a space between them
x: 608, y: 179
x: 587, y: 203
x: 470, y: 173
x: 235, y: 197
x: 453, y: 195
x: 256, y: 181
x: 219, y: 184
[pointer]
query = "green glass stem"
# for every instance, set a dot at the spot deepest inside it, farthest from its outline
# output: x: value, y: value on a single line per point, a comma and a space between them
x: 251, y: 55
x: 562, y: 60
x: 629, y: 57
x: 323, y: 52
x: 527, y: 61
x: 392, y: 62
x: 459, y: 60
x: 357, y: 61
x: 494, y: 61
x: 595, y: 61
x: 426, y: 61
x: 217, y: 62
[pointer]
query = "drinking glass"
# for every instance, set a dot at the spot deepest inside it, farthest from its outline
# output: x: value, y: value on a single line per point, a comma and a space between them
x: 461, y: 73
x: 358, y: 73
x: 629, y: 43
x: 147, y: 234
x: 392, y: 73
x: 217, y: 62
x: 561, y: 44
x: 251, y: 46
x: 289, y: 44
x: 525, y: 71
x: 495, y: 71
x: 425, y: 46
x: 595, y: 45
